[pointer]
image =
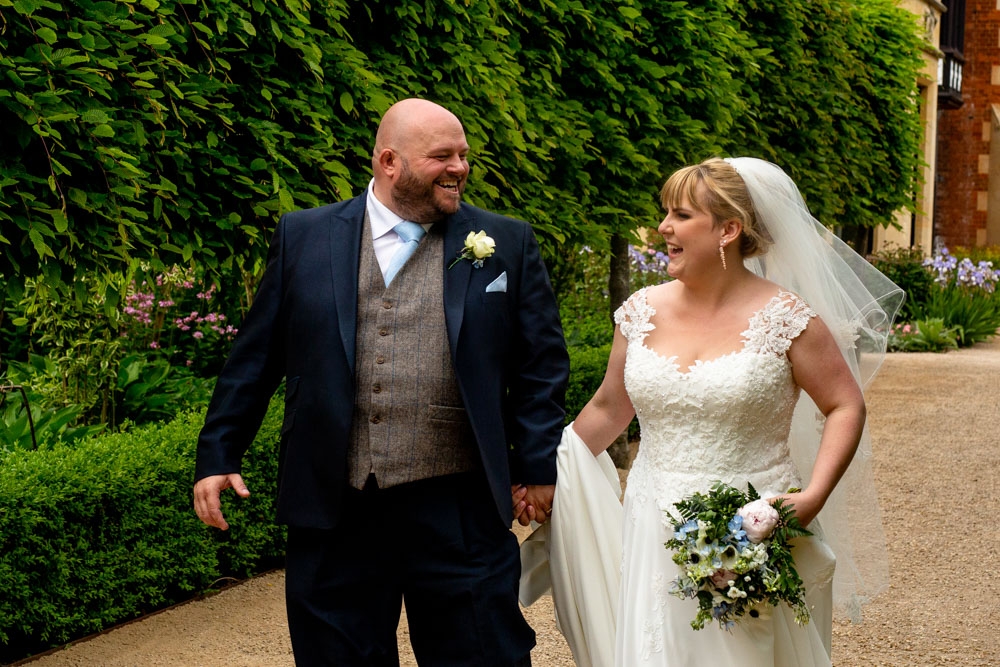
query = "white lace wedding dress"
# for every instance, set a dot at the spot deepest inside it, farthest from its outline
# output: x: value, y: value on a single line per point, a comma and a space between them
x: 725, y: 420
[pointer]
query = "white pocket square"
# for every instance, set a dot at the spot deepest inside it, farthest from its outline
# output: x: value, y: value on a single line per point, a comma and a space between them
x: 498, y: 285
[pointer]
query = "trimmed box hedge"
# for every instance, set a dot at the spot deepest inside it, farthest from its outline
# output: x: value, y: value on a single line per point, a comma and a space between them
x: 104, y: 530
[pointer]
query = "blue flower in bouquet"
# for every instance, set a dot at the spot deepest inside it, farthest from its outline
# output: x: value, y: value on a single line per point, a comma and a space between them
x: 734, y: 556
x: 689, y: 527
x: 735, y: 527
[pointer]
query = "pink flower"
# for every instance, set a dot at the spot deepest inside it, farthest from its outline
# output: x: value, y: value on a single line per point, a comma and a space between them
x: 197, y: 334
x: 721, y: 578
x: 906, y: 328
x: 759, y: 519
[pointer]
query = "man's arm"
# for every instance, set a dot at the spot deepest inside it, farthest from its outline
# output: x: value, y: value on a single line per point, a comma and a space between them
x: 538, y: 388
x: 239, y: 402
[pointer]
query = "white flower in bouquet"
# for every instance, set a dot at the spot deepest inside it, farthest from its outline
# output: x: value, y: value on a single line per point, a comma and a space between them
x: 759, y: 519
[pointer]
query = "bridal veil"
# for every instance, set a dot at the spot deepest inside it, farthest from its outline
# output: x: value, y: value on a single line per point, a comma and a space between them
x: 858, y: 304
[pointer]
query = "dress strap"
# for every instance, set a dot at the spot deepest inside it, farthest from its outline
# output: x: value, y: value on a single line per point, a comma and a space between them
x: 633, y: 317
x: 773, y: 328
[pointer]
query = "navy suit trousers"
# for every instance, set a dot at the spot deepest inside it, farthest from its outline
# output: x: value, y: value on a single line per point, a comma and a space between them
x: 435, y: 545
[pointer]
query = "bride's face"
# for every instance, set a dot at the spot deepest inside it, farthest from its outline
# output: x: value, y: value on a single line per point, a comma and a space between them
x: 691, y: 235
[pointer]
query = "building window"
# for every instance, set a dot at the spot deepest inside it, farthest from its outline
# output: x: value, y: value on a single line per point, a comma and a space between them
x: 953, y: 46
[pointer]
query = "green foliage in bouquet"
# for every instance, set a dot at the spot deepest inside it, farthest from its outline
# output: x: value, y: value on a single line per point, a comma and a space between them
x: 734, y: 552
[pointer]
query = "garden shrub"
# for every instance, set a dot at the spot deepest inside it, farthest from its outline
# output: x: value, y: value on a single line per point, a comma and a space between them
x: 103, y: 531
x: 151, y: 356
x: 905, y: 267
x: 66, y: 405
x: 972, y: 314
x: 964, y: 296
x: 929, y: 335
x: 976, y: 254
x: 586, y: 371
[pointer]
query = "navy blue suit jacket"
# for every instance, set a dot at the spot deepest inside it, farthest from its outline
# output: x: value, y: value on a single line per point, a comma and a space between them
x: 507, y: 349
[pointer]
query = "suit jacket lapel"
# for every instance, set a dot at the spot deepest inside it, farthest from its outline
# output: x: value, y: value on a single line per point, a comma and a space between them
x: 456, y: 278
x: 345, y: 251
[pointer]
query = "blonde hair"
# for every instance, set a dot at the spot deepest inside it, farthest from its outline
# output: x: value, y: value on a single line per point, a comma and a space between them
x: 725, y: 197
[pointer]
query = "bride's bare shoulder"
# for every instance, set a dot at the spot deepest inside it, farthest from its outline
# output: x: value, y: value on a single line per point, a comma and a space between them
x: 662, y: 295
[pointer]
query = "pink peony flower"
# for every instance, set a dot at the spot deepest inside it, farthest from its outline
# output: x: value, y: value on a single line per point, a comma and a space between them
x: 759, y: 519
x: 721, y: 578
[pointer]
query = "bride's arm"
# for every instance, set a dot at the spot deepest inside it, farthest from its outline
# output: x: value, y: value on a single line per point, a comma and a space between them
x: 610, y: 411
x: 820, y: 370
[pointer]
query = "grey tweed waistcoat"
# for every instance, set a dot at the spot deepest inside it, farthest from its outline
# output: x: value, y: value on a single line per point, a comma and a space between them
x: 409, y: 422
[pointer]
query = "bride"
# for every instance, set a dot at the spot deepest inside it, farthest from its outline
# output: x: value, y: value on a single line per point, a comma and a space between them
x: 748, y: 366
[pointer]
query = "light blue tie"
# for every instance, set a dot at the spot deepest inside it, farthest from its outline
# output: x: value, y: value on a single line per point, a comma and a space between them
x: 411, y: 233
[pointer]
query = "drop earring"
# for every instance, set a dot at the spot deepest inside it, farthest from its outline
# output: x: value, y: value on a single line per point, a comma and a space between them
x: 722, y: 253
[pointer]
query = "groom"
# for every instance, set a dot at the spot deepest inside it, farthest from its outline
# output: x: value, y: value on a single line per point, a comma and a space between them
x: 420, y: 389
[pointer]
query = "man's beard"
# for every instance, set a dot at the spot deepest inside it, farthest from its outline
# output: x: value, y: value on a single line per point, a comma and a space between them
x: 416, y: 200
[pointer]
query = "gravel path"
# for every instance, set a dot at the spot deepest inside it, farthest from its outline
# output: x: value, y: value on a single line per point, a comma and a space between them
x: 935, y: 420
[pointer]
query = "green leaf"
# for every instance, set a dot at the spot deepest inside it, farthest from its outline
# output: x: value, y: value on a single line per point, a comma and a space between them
x: 47, y: 35
x: 346, y: 102
x: 174, y: 89
x: 39, y: 244
x: 78, y: 196
x: 96, y: 116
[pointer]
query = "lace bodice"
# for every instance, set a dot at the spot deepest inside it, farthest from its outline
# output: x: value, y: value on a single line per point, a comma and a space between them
x: 724, y: 419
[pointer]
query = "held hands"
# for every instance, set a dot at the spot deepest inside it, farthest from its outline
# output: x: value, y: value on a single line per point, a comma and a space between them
x: 207, y: 500
x: 532, y: 502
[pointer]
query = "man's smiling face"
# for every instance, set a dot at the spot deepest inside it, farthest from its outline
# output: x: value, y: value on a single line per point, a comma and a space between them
x: 433, y: 172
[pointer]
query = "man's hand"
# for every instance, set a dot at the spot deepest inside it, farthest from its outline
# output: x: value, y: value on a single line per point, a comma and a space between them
x: 207, y: 501
x: 532, y: 502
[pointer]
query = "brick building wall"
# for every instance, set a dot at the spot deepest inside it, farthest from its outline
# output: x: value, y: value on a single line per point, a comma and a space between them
x: 964, y: 134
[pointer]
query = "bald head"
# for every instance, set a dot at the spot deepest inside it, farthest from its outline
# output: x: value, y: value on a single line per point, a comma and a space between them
x: 419, y: 161
x: 408, y: 120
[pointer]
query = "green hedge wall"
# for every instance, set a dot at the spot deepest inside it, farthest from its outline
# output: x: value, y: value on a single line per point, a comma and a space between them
x: 175, y: 131
x: 104, y: 530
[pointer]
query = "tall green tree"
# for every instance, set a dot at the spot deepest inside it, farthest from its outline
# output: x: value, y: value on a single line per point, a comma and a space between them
x: 835, y: 103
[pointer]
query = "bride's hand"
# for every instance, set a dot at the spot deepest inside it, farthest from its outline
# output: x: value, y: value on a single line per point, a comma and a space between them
x: 806, y: 505
x: 517, y: 493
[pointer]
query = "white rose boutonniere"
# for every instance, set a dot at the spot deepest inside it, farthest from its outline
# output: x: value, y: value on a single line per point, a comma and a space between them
x: 478, y: 246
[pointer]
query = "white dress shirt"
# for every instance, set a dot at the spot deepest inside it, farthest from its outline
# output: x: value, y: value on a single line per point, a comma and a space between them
x: 385, y: 240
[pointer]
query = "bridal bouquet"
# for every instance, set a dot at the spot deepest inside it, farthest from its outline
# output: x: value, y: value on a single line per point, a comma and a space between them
x: 734, y: 554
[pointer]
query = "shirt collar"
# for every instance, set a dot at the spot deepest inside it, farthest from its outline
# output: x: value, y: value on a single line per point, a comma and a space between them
x: 381, y: 218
